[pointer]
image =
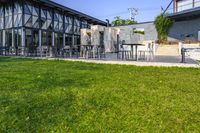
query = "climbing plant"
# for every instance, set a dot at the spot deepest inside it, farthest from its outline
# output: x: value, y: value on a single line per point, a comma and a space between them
x: 162, y: 24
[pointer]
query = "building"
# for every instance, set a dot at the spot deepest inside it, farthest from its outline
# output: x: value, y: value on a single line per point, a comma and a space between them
x: 186, y: 17
x: 35, y: 23
x: 111, y: 37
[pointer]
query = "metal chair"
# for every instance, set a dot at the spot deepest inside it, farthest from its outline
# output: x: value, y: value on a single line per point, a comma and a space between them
x: 67, y: 52
x: 146, y: 52
x: 22, y: 51
x: 123, y: 53
x: 75, y: 51
x: 42, y: 51
x: 101, y: 52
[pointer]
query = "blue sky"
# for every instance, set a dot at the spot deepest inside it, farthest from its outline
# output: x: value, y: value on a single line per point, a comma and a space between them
x: 103, y: 9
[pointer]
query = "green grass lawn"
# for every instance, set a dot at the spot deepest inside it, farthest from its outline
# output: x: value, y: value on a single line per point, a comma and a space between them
x: 60, y: 96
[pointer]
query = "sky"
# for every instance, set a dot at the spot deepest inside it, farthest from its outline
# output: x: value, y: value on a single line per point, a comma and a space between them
x: 108, y: 9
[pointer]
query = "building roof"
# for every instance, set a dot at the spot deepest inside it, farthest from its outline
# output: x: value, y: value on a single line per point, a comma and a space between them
x: 73, y: 12
x: 68, y: 10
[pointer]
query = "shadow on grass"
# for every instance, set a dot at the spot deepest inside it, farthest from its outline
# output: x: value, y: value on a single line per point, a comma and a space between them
x: 12, y: 59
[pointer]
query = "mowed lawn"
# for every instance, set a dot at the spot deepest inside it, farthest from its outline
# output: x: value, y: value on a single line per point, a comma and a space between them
x: 60, y: 96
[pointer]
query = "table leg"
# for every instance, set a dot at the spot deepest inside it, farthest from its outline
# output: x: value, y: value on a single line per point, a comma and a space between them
x: 132, y: 51
x: 136, y: 56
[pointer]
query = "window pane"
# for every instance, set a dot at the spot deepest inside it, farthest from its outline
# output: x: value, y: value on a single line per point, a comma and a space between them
x: 49, y: 38
x: 28, y: 36
x: 1, y: 38
x: 8, y: 38
x: 35, y: 38
x: 44, y: 38
x: 77, y: 40
x: 17, y: 37
x: 68, y: 40
x: 28, y: 20
x: 27, y: 9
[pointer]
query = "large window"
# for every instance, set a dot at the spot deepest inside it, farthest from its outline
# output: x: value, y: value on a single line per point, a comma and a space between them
x: 77, y: 26
x: 77, y: 40
x: 8, y: 17
x: 46, y: 19
x: 68, y: 24
x: 84, y: 24
x: 1, y: 38
x: 17, y: 15
x: 8, y: 38
x: 18, y: 37
x: 35, y: 38
x: 32, y: 40
x: 28, y: 36
x: 58, y: 22
x: 46, y: 38
x: 184, y: 5
x: 68, y: 40
x: 58, y: 40
x: 1, y: 17
x: 31, y: 17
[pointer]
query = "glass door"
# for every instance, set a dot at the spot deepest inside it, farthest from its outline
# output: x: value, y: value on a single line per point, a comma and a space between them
x: 36, y: 38
x: 8, y: 38
x: 1, y: 38
x: 49, y: 39
x: 18, y: 38
x: 28, y: 40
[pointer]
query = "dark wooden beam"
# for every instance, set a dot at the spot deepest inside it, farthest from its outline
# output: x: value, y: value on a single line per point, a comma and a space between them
x: 3, y: 0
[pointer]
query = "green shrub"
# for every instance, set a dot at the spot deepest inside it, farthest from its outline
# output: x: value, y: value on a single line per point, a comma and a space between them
x: 163, y: 24
x: 139, y: 32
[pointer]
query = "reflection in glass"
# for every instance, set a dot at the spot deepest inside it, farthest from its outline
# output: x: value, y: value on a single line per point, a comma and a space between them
x: 60, y: 41
x: 49, y: 39
x: 28, y: 36
x: 8, y: 38
x: 1, y: 18
x: 8, y: 17
x: 35, y: 38
x: 77, y: 40
x: 68, y: 40
x: 1, y: 38
x: 56, y: 39
x: 44, y: 38
x: 18, y: 37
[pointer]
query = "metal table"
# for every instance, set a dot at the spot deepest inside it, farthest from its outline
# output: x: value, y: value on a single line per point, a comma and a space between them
x: 132, y: 49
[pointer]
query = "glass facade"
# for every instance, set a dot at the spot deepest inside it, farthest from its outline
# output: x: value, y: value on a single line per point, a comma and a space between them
x: 32, y: 24
x: 8, y: 37
x: 8, y: 17
x: 17, y: 37
x: 1, y: 18
x: 1, y: 38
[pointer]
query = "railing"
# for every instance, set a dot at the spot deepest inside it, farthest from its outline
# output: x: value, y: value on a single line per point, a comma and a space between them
x: 170, y: 9
x: 185, y: 52
x: 74, y: 51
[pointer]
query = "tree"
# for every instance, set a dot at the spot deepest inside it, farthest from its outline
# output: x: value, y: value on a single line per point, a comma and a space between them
x: 163, y: 24
x: 119, y: 22
x: 129, y: 21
